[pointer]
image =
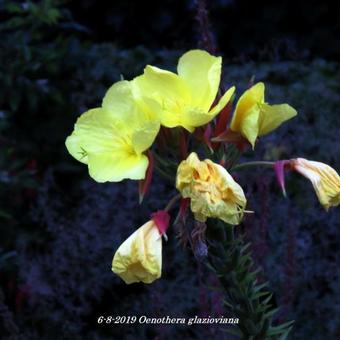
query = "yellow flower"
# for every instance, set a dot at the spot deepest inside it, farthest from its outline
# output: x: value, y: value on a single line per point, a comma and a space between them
x: 139, y: 258
x: 213, y: 192
x: 184, y: 99
x: 111, y: 139
x: 253, y: 117
x: 325, y: 180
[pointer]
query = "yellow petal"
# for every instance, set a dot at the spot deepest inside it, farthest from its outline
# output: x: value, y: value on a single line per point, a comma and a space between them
x: 212, y: 191
x: 325, y: 180
x: 114, y: 167
x: 183, y: 99
x: 106, y: 146
x: 250, y: 127
x: 185, y: 171
x: 123, y: 102
x: 222, y: 102
x: 74, y: 147
x: 94, y: 132
x: 143, y: 137
x: 119, y: 100
x: 272, y: 116
x: 201, y: 72
x: 167, y: 87
x: 139, y: 258
x: 164, y: 93
x: 194, y: 117
x: 250, y: 99
x: 170, y: 118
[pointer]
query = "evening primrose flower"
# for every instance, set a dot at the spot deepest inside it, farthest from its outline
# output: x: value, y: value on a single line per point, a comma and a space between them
x: 325, y: 180
x: 212, y: 190
x: 139, y: 258
x: 253, y: 117
x: 184, y: 99
x: 112, y: 139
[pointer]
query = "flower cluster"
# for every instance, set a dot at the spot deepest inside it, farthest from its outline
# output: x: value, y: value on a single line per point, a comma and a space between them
x: 111, y: 139
x: 159, y: 115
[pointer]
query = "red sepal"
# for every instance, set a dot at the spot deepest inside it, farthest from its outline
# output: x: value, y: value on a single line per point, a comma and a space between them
x: 233, y: 137
x: 144, y: 184
x: 161, y: 219
x: 223, y: 119
x: 279, y: 168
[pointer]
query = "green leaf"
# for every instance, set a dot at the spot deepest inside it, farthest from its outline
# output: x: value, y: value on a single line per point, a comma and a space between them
x: 243, y: 296
x: 272, y: 312
x: 277, y: 330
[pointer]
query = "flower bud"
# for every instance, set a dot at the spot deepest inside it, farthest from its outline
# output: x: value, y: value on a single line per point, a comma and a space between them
x: 325, y: 180
x: 139, y: 258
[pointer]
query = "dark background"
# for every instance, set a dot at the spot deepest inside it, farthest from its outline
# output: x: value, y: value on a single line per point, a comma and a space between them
x: 59, y: 229
x: 242, y: 28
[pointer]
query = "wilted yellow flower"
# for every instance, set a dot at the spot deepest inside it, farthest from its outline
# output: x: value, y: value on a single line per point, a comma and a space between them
x: 325, y: 180
x: 111, y: 139
x: 253, y: 117
x: 212, y: 190
x: 139, y: 258
x: 184, y: 99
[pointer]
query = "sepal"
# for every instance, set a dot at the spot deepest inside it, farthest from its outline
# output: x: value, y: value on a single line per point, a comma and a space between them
x: 144, y: 184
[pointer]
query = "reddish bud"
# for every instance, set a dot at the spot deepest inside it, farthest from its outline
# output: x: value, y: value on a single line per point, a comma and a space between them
x: 161, y: 219
x: 279, y: 168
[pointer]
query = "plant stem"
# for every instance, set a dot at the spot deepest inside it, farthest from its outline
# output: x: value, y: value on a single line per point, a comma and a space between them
x: 164, y: 174
x: 244, y: 296
x: 252, y: 164
x: 172, y: 202
x: 230, y: 233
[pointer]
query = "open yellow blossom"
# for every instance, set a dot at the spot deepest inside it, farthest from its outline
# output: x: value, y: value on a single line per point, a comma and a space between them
x: 253, y: 117
x: 139, y: 258
x: 212, y: 190
x: 325, y: 180
x: 111, y: 139
x: 184, y: 99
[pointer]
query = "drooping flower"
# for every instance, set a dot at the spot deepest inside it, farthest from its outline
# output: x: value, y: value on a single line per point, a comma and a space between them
x: 139, y: 258
x: 211, y: 189
x: 325, y: 180
x: 253, y: 117
x: 184, y: 99
x: 112, y: 139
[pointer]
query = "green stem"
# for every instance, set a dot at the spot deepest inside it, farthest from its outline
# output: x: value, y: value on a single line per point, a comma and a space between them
x: 245, y: 297
x: 164, y: 174
x: 252, y: 164
x: 230, y: 233
x: 172, y: 202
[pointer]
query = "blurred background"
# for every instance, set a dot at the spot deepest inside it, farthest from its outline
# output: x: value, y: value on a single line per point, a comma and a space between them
x: 59, y: 229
